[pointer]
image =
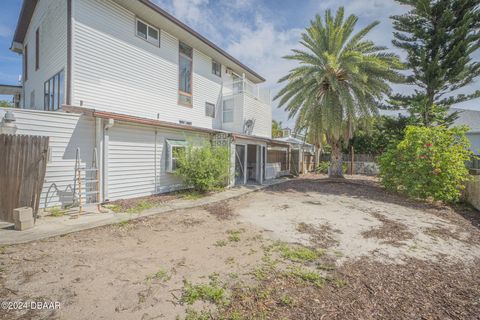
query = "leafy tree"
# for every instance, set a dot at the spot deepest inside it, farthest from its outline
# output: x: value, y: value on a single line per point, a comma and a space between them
x: 340, y: 78
x: 428, y: 163
x: 375, y: 138
x: 203, y: 167
x: 276, y: 129
x: 439, y: 37
x: 5, y: 104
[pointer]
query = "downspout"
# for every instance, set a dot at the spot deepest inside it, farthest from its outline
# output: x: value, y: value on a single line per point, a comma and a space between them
x: 108, y: 125
x: 155, y: 157
x: 99, y: 146
x: 69, y: 54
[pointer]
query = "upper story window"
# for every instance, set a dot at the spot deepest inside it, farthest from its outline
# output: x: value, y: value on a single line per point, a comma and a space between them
x: 53, y: 92
x: 25, y: 63
x: 209, y: 109
x: 185, y: 74
x: 227, y: 111
x: 148, y: 32
x: 37, y: 49
x: 216, y: 68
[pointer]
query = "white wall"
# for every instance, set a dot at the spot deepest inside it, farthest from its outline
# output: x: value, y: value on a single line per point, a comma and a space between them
x: 67, y: 132
x: 261, y: 113
x: 114, y: 70
x: 136, y: 160
x: 51, y: 17
x: 475, y: 141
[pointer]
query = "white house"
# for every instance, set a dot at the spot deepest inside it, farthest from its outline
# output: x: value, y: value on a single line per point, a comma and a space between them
x: 119, y: 84
x: 470, y: 118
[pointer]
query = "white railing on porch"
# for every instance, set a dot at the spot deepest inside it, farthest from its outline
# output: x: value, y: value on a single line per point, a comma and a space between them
x: 245, y: 86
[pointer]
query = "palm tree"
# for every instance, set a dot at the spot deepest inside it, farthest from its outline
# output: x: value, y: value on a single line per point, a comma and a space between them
x: 339, y: 80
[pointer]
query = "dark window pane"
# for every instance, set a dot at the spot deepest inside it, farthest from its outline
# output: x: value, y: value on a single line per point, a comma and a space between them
x: 141, y: 29
x: 60, y: 88
x: 186, y: 50
x: 152, y: 33
x: 216, y: 68
x: 46, y: 95
x: 210, y: 109
x: 185, y: 66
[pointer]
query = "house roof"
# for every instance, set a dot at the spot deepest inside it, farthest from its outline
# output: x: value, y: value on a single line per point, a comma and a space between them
x: 26, y: 13
x: 470, y: 118
x: 28, y: 7
x: 159, y: 123
x: 293, y: 140
x: 8, y: 89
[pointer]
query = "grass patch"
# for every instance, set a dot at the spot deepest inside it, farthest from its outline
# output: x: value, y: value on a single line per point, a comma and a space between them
x: 141, y: 206
x: 192, y: 195
x: 122, y: 223
x: 197, y: 315
x: 230, y: 260
x: 3, y: 249
x: 285, y: 301
x: 220, y: 243
x: 56, y: 212
x: 114, y: 207
x: 161, y: 275
x: 212, y: 292
x: 340, y: 283
x: 298, y: 253
x: 307, y: 276
x: 234, y: 235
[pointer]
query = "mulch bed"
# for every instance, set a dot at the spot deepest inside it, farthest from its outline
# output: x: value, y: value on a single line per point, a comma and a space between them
x: 322, y: 236
x: 373, y: 290
x: 391, y: 232
x: 220, y: 210
x: 154, y: 200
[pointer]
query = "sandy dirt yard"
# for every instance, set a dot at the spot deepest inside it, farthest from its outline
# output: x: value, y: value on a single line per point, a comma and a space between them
x: 309, y: 248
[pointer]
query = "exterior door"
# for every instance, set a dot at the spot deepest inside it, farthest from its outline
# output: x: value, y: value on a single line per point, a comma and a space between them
x: 239, y: 164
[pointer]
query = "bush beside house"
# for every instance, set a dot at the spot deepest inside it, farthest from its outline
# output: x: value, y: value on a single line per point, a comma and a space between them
x: 203, y: 167
x: 428, y: 163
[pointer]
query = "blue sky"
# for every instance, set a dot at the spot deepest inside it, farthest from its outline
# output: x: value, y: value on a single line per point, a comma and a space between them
x: 257, y: 32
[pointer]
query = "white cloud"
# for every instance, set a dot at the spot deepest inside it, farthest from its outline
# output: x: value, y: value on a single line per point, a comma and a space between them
x: 5, y: 32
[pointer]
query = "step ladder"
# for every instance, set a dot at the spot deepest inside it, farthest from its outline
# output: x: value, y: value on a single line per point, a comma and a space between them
x: 86, y: 187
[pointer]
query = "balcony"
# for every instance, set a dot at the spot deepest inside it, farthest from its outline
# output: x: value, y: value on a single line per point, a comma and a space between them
x: 244, y: 86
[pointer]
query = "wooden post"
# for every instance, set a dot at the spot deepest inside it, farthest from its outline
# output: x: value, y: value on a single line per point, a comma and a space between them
x: 352, y: 166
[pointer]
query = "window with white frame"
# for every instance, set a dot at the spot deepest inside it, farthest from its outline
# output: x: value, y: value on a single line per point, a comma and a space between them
x: 148, y: 32
x: 227, y: 111
x: 216, y: 68
x: 174, y: 149
x: 209, y: 109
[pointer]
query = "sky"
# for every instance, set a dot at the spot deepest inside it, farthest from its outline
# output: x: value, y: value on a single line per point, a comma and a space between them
x: 257, y: 32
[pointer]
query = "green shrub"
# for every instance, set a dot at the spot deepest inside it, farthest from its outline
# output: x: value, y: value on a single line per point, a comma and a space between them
x: 203, y: 167
x: 428, y: 163
x: 324, y: 165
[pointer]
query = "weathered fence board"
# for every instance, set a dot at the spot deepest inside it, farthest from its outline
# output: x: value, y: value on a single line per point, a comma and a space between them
x: 23, y: 162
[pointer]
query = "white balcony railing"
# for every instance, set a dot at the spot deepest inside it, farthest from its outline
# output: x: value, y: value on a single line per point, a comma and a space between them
x: 245, y: 86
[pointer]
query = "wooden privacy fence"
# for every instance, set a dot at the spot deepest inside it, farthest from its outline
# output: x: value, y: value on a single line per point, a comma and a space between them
x: 23, y: 162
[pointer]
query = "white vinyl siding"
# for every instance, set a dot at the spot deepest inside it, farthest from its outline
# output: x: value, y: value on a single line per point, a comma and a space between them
x: 50, y: 18
x: 67, y: 132
x: 115, y: 70
x: 137, y: 161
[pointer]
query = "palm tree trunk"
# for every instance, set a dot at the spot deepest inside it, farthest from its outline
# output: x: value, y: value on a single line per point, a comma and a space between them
x: 336, y: 160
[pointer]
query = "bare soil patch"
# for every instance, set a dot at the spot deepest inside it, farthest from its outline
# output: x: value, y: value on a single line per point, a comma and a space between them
x: 294, y: 251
